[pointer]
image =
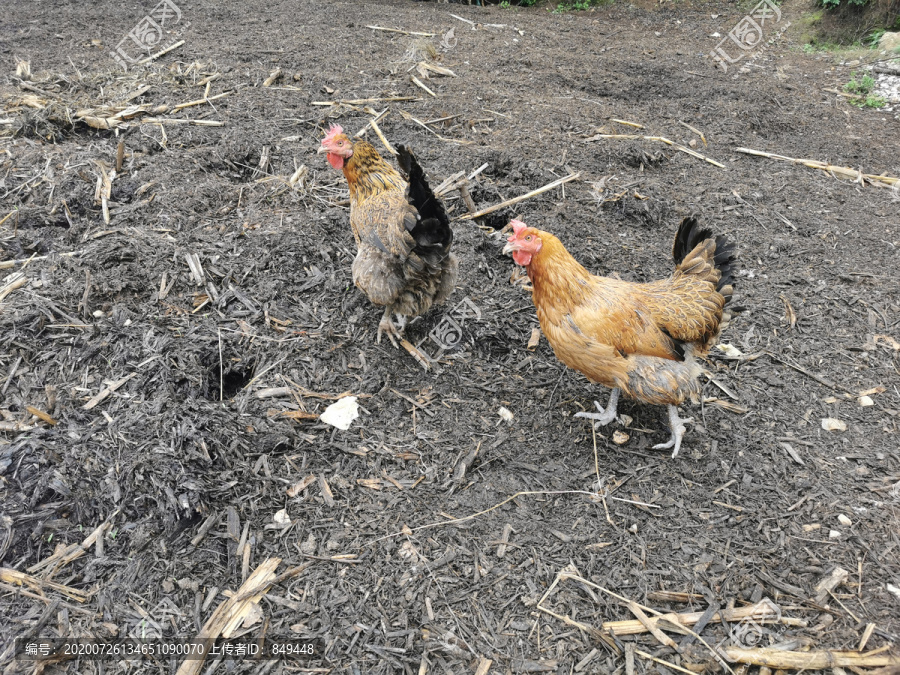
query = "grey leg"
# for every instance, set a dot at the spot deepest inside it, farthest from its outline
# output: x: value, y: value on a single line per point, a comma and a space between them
x: 604, y: 415
x: 387, y: 326
x: 678, y: 430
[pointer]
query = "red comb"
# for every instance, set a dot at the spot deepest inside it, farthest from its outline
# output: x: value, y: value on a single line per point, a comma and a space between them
x: 333, y: 131
x: 518, y: 226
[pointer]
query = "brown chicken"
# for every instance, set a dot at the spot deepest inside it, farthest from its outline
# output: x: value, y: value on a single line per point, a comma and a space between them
x: 639, y: 339
x: 403, y: 235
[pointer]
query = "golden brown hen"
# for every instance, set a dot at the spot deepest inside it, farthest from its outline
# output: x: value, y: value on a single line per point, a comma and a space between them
x: 639, y: 339
x: 403, y: 235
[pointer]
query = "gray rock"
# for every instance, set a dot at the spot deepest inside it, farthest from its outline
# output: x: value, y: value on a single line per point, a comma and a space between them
x: 890, y: 41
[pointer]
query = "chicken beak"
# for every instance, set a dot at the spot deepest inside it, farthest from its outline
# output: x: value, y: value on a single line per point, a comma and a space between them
x: 510, y: 246
x: 322, y: 150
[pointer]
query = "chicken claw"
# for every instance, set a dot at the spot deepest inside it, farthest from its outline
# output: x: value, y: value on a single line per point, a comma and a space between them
x: 394, y: 330
x: 678, y: 430
x: 387, y: 326
x: 604, y: 415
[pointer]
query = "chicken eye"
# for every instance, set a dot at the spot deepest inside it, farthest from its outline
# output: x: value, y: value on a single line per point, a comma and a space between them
x: 528, y: 238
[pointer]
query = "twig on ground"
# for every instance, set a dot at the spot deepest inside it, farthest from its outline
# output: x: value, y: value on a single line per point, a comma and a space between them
x: 18, y: 578
x: 402, y: 32
x: 696, y: 131
x: 380, y: 116
x: 416, y: 81
x: 381, y: 137
x: 232, y: 612
x: 472, y: 516
x: 521, y: 198
x: 627, y: 123
x: 73, y: 551
x: 165, y: 51
x: 835, y: 171
x: 362, y: 101
x: 812, y: 660
x: 660, y: 139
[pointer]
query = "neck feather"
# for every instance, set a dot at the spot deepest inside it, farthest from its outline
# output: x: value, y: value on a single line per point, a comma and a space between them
x: 367, y: 172
x: 553, y: 268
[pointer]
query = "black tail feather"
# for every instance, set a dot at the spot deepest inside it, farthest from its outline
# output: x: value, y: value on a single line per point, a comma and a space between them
x: 690, y: 234
x: 433, y: 227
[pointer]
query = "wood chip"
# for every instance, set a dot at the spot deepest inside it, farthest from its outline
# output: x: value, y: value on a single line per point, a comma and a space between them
x: 327, y: 495
x: 300, y: 486
x: 102, y: 395
x: 12, y: 282
x: 416, y: 353
x: 40, y: 414
x: 504, y: 540
x: 790, y: 451
x: 837, y: 576
x: 273, y: 77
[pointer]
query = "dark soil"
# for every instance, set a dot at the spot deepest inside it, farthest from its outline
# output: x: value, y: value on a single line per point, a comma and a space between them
x: 189, y: 465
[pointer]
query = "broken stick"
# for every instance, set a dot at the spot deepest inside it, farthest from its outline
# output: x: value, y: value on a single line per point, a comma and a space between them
x: 521, y: 198
x: 660, y: 139
x: 842, y: 171
x: 820, y: 660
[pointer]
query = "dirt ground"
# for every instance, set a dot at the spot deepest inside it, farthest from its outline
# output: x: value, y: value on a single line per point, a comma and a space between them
x: 161, y: 408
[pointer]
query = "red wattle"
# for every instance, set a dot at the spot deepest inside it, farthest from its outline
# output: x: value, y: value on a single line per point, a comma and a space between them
x: 336, y: 161
x: 522, y: 258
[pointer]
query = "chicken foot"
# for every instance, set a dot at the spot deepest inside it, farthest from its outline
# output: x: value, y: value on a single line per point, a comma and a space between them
x: 678, y: 430
x: 604, y: 415
x: 394, y: 331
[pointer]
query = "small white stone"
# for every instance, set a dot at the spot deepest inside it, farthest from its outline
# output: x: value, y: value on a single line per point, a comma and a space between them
x: 505, y: 414
x: 844, y: 520
x: 342, y: 413
x: 833, y: 424
x: 866, y: 401
x: 834, y: 534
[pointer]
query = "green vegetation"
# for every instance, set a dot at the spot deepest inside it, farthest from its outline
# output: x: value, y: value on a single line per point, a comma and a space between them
x: 580, y: 5
x: 834, y: 4
x: 566, y: 6
x: 816, y: 46
x: 862, y: 92
x: 873, y: 37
